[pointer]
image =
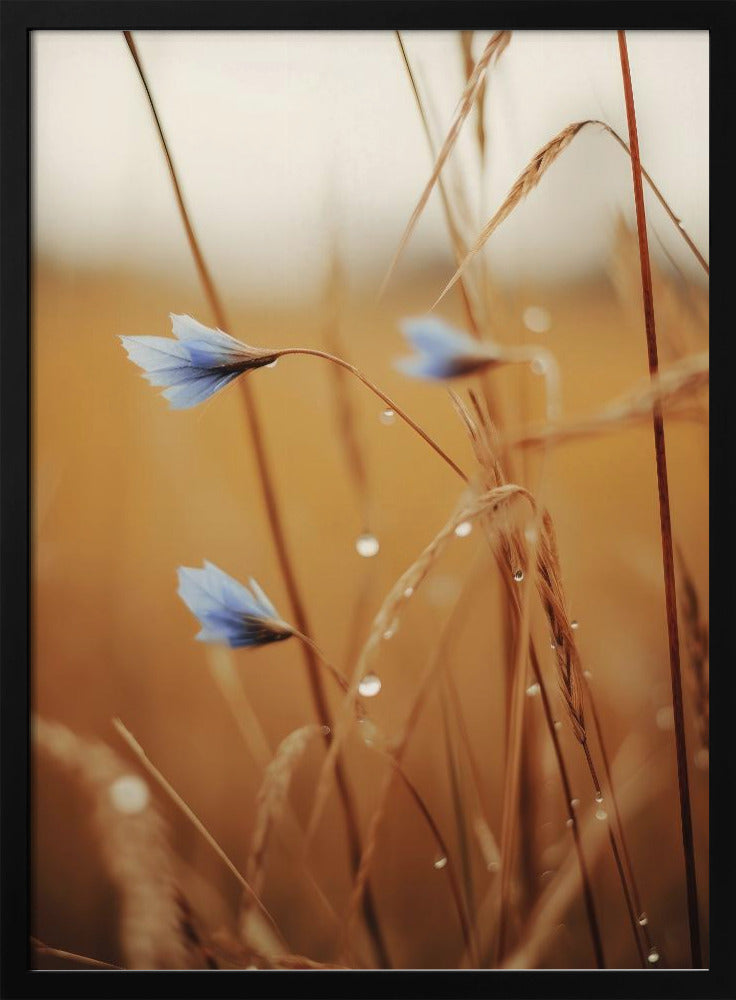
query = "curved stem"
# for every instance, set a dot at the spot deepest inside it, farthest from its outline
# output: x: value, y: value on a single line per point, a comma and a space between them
x: 393, y: 758
x: 315, y: 353
x: 275, y: 522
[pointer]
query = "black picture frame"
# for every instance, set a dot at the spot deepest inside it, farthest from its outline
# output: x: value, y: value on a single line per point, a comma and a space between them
x: 18, y: 18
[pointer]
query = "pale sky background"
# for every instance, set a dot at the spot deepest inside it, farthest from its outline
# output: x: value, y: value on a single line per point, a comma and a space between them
x: 275, y: 133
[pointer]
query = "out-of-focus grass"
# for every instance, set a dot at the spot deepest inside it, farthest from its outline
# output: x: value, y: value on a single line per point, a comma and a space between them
x: 126, y: 490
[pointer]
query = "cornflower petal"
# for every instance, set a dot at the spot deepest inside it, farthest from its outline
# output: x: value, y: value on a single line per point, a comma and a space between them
x: 196, y: 363
x: 442, y: 350
x: 228, y: 612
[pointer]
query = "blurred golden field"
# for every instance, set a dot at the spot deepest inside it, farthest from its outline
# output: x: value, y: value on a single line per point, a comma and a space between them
x: 126, y: 490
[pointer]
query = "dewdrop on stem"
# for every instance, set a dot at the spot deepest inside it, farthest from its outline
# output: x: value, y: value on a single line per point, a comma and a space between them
x: 366, y: 545
x: 387, y: 417
x: 440, y: 862
x: 653, y: 956
x: 463, y: 529
x: 519, y: 575
x: 369, y: 686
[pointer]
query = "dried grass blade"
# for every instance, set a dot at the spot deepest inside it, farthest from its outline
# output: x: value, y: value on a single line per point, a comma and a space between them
x: 408, y: 582
x: 665, y: 521
x: 272, y: 798
x: 531, y: 176
x: 498, y: 42
x: 179, y: 802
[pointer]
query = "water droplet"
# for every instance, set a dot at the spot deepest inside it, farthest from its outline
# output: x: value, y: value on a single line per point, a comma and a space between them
x: 653, y: 956
x: 539, y: 366
x: 440, y: 862
x: 129, y: 794
x: 366, y: 545
x: 369, y: 686
x: 546, y: 875
x: 408, y: 592
x: 537, y: 319
x: 325, y: 730
x: 599, y: 797
x: 601, y: 814
x: 532, y: 690
x: 272, y: 364
x: 392, y: 629
x: 387, y: 418
x: 552, y: 644
x: 568, y: 822
x: 369, y: 732
x: 665, y: 718
x: 574, y: 624
x: 558, y: 724
x: 574, y: 803
x: 702, y: 759
x: 643, y: 920
x: 463, y: 529
x: 519, y: 575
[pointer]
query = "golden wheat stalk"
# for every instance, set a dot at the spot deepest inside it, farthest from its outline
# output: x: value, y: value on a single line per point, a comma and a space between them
x: 134, y: 847
x: 495, y: 47
x: 532, y: 174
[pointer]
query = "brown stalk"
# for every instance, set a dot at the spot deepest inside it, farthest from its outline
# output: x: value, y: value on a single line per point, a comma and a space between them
x: 70, y: 956
x: 670, y: 387
x: 456, y: 239
x: 315, y: 353
x: 697, y: 642
x: 495, y: 47
x: 186, y: 810
x: 664, y: 517
x: 531, y: 176
x: 275, y: 522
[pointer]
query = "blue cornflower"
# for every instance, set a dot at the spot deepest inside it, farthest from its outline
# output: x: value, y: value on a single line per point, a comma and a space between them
x: 196, y: 364
x: 443, y: 351
x: 229, y: 612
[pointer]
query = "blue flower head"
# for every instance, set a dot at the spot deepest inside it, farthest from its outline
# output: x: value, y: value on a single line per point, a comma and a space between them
x: 195, y: 364
x: 229, y: 612
x: 442, y: 351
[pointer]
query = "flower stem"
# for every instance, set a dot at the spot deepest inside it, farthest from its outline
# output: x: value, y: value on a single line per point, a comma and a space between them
x: 275, y: 522
x: 664, y: 517
x: 313, y: 352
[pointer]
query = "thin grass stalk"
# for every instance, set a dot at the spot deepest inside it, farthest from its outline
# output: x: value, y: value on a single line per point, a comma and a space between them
x: 456, y: 239
x: 70, y: 956
x: 463, y: 912
x: 250, y: 729
x: 495, y: 46
x: 531, y: 176
x: 635, y: 898
x: 187, y: 811
x: 275, y: 522
x: 459, y: 811
x: 399, y: 749
x: 315, y: 353
x: 665, y: 521
x: 635, y: 796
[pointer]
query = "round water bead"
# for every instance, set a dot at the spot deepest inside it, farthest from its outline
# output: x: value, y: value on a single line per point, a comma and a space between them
x: 519, y: 575
x: 369, y: 686
x: 366, y: 545
x: 129, y: 794
x: 653, y: 956
x: 440, y: 862
x: 387, y: 418
x: 537, y: 319
x: 463, y: 529
x: 643, y: 920
x: 532, y: 690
